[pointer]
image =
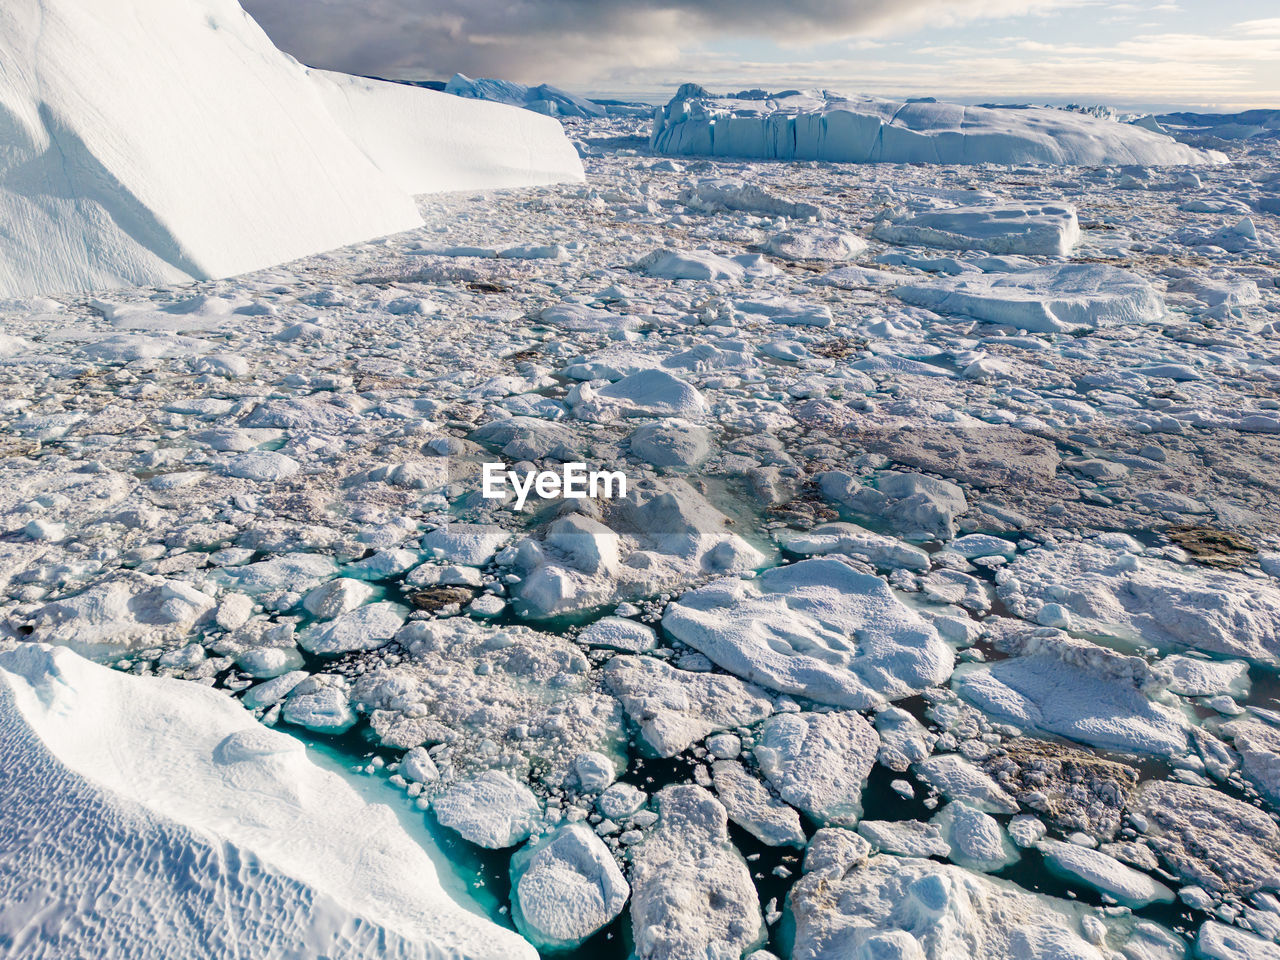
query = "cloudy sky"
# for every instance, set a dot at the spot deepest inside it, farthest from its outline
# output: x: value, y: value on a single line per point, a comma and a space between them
x: 1144, y: 53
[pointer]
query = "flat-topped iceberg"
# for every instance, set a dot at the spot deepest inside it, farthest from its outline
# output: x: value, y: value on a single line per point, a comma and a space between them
x: 820, y: 125
x: 214, y: 834
x: 1060, y: 298
x: 1038, y: 229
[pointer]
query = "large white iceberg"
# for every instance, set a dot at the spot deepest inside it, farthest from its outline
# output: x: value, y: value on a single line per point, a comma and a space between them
x: 157, y: 141
x: 820, y: 125
x: 157, y: 818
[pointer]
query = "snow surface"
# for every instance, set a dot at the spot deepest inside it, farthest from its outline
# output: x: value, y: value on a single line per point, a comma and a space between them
x: 1110, y: 587
x: 566, y: 886
x: 129, y: 797
x: 819, y: 125
x: 153, y: 141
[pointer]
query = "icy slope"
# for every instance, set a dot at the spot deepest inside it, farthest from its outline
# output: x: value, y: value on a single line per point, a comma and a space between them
x: 428, y: 142
x: 157, y: 818
x: 820, y: 125
x: 152, y: 141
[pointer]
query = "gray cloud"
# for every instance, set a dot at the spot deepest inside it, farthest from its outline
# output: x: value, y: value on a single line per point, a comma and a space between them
x: 574, y: 41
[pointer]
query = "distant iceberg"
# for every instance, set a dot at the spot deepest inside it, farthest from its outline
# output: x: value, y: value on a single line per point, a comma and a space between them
x: 543, y: 98
x: 820, y: 125
x: 156, y: 141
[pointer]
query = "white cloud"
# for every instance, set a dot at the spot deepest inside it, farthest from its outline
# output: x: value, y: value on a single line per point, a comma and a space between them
x: 581, y: 41
x: 652, y: 45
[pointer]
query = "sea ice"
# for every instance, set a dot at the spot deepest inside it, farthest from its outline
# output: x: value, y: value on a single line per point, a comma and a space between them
x: 115, y: 616
x: 789, y: 628
x: 363, y: 628
x: 676, y: 708
x: 1126, y: 885
x: 818, y: 762
x: 893, y: 906
x: 1078, y: 690
x: 492, y: 810
x: 752, y: 807
x: 703, y: 265
x: 564, y: 887
x: 1210, y: 839
x: 960, y: 780
x: 691, y: 891
x: 1109, y: 587
x: 977, y: 840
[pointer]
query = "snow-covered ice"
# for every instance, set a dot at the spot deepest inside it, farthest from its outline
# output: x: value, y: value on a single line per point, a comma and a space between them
x: 565, y: 887
x: 691, y: 892
x: 818, y: 762
x: 1047, y: 229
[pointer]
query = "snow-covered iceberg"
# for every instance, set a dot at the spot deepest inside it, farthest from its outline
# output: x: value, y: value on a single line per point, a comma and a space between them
x: 820, y: 125
x: 156, y: 141
x: 156, y: 817
x: 543, y: 98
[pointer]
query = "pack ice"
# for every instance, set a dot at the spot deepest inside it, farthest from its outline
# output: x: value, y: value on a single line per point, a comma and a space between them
x: 820, y: 125
x: 129, y: 796
x: 154, y: 141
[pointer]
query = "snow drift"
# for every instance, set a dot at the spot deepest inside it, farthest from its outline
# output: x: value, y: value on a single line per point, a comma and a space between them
x: 156, y: 141
x: 156, y: 818
x: 820, y: 125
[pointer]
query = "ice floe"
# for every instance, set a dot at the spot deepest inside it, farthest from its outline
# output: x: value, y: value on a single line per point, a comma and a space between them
x: 790, y: 628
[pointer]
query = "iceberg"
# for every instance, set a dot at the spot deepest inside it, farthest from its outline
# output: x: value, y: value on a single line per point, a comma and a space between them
x: 1038, y: 229
x: 158, y: 818
x: 820, y: 125
x: 160, y: 141
x: 543, y: 98
x: 1060, y: 298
